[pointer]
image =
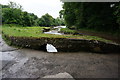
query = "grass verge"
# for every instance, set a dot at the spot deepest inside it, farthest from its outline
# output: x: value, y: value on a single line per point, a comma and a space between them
x: 37, y: 32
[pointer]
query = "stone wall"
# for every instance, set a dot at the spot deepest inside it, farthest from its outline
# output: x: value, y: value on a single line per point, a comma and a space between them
x: 63, y: 44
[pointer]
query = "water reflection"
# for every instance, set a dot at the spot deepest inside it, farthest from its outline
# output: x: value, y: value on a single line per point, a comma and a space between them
x: 56, y: 30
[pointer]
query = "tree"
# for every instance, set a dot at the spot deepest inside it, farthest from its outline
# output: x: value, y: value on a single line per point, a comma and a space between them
x: 14, y: 5
x: 11, y: 16
x: 117, y: 13
x: 58, y: 21
x: 4, y: 6
x: 26, y: 21
x: 61, y: 13
x: 46, y: 20
x: 97, y: 16
x: 33, y: 19
x: 69, y: 15
x: 101, y: 17
x: 11, y: 13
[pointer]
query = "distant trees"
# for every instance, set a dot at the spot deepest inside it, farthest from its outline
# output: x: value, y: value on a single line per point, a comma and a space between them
x: 59, y: 21
x: 99, y: 16
x: 48, y: 20
x: 13, y: 14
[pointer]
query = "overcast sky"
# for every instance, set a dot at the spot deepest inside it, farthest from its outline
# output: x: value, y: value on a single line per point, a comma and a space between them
x: 39, y: 7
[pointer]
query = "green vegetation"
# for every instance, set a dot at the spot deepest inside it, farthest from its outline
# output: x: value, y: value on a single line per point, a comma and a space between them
x: 68, y: 31
x: 14, y: 14
x: 112, y: 33
x: 37, y: 32
x: 103, y: 17
x: 48, y: 20
x: 97, y: 16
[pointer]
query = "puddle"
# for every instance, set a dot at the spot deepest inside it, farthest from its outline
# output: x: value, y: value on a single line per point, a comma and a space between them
x: 53, y: 32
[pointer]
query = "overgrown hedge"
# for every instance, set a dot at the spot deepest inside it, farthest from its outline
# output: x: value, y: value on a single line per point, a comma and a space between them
x: 63, y: 44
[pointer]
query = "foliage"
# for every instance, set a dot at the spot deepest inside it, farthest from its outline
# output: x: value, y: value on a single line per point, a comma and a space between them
x: 61, y: 13
x: 58, y: 21
x: 14, y: 5
x: 46, y: 20
x: 69, y: 14
x: 13, y: 14
x: 99, y: 16
x: 117, y: 13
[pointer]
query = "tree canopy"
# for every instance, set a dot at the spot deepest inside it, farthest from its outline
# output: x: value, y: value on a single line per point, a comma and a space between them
x: 99, y: 16
x: 13, y: 14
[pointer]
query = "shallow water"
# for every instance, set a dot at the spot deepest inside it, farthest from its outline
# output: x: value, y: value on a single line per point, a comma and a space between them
x: 56, y: 31
x: 53, y: 32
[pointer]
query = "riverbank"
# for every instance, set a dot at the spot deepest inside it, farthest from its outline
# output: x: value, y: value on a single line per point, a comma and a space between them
x: 36, y: 32
x: 109, y: 36
x: 34, y: 38
x: 115, y: 37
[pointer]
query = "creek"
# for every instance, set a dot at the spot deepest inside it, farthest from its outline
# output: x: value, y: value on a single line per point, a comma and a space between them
x: 55, y: 30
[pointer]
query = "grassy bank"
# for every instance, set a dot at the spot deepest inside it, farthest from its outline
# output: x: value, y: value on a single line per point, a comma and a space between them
x: 109, y: 35
x: 112, y: 33
x: 37, y: 32
x: 68, y: 31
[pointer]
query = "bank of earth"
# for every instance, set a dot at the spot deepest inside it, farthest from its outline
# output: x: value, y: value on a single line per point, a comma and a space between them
x: 32, y: 37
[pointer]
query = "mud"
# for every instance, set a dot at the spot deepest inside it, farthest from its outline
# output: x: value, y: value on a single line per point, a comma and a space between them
x: 27, y: 63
